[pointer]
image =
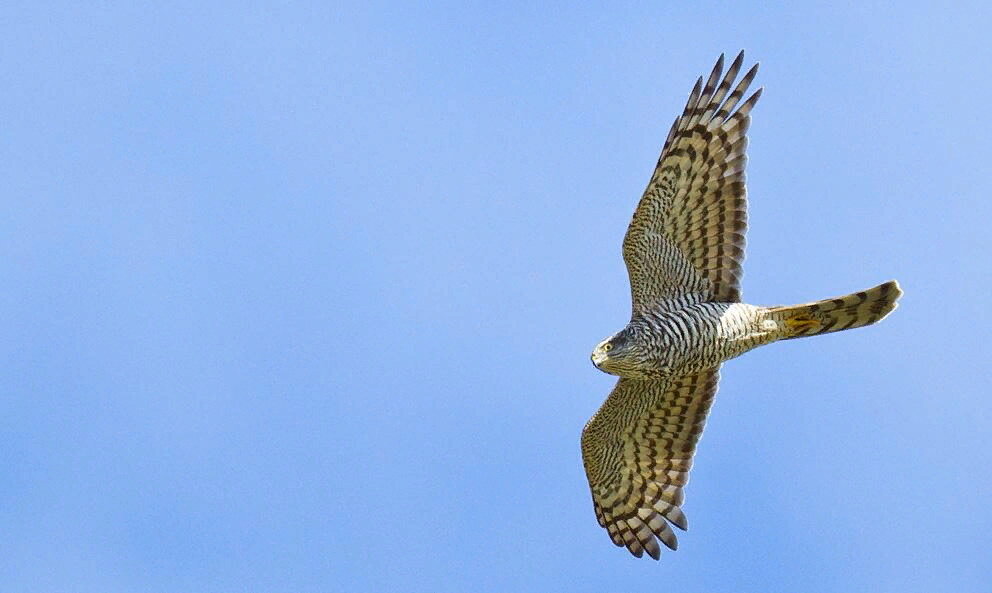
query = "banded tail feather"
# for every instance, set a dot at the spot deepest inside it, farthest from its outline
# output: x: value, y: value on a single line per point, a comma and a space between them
x: 831, y: 315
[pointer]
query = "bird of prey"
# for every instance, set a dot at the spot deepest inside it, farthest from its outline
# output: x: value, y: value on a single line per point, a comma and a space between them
x: 683, y: 251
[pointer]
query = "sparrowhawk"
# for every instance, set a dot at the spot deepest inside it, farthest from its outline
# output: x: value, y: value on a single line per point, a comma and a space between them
x: 683, y: 251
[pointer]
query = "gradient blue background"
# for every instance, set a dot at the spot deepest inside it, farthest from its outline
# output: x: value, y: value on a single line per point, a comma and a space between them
x: 300, y: 297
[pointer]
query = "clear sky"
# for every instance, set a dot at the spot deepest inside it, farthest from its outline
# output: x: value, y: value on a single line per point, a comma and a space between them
x: 301, y: 297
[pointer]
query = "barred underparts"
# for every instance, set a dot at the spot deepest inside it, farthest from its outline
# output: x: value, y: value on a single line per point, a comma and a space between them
x: 684, y: 249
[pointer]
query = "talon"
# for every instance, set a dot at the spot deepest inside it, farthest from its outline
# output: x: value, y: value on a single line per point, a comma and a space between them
x: 799, y: 324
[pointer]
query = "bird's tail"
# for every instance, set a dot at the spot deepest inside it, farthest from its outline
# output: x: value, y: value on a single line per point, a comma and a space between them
x: 831, y: 315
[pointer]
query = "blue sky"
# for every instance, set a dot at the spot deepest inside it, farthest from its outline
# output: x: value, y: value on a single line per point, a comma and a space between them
x: 300, y: 297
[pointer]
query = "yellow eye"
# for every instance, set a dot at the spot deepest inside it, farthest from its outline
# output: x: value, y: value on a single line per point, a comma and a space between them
x: 607, y: 347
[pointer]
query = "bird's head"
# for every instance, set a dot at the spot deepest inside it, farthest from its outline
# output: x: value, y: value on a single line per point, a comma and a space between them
x: 615, y: 355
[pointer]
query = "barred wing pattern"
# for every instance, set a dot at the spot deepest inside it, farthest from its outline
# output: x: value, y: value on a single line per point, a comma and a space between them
x: 685, y: 243
x: 637, y: 451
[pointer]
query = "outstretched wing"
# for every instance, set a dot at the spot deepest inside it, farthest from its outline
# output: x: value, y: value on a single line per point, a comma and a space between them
x: 686, y: 240
x: 637, y: 451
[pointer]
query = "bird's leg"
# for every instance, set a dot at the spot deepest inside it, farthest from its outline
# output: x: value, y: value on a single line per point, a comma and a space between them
x: 802, y: 324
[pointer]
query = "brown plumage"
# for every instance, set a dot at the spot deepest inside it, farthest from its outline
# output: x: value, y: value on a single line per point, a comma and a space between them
x: 684, y: 249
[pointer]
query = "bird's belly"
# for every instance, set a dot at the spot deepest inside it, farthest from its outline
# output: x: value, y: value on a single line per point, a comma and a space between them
x: 703, y: 336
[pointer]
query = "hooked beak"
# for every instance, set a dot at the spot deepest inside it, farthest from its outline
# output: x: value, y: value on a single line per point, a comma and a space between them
x: 598, y: 357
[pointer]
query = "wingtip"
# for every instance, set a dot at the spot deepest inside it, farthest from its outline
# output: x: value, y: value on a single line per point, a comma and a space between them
x: 655, y: 552
x: 752, y: 71
x: 752, y: 100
